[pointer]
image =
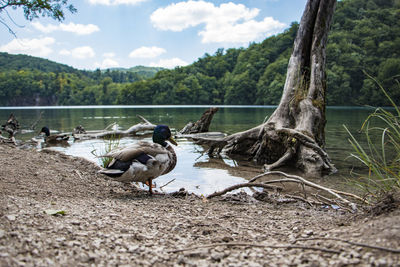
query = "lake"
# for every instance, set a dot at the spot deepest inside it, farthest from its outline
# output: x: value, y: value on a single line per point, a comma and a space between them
x: 195, y: 171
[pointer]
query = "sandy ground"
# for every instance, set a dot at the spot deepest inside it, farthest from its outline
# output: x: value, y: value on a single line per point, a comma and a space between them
x: 109, y: 224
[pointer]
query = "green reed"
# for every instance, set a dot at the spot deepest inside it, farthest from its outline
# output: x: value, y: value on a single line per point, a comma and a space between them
x: 381, y: 156
x: 111, y: 142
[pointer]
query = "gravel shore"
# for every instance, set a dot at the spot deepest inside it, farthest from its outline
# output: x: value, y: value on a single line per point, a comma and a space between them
x: 55, y: 210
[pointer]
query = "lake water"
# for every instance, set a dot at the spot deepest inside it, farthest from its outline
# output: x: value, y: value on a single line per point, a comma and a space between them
x: 195, y: 171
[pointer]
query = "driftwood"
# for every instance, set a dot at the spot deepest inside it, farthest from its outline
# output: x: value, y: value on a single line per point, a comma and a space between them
x: 145, y: 125
x: 202, y: 125
x: 11, y: 126
x: 294, y: 134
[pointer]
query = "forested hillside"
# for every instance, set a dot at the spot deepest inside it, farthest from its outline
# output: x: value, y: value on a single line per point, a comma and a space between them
x: 364, y: 38
x: 27, y: 80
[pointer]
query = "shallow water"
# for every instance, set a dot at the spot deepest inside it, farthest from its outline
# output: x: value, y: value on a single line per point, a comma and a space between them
x: 195, y: 171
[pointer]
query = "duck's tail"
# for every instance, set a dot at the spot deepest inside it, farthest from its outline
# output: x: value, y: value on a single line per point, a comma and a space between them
x: 111, y: 172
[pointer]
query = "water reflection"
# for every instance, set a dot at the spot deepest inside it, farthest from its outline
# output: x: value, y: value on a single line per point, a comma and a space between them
x: 194, y: 171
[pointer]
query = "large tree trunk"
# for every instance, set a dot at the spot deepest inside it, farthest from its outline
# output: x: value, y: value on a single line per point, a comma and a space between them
x: 294, y: 134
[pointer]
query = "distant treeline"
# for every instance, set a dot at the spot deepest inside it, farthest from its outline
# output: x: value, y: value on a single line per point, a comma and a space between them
x: 364, y: 39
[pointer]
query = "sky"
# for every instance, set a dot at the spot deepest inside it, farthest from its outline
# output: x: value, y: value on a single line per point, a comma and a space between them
x: 158, y: 33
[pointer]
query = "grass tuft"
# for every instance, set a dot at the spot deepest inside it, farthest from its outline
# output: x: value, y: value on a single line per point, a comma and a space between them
x: 381, y: 156
x: 111, y: 143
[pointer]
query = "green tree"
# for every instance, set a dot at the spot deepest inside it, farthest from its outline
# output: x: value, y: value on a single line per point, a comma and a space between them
x: 34, y: 8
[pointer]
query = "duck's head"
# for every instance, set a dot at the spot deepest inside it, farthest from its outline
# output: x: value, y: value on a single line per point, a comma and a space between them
x: 161, y: 134
x: 45, y: 130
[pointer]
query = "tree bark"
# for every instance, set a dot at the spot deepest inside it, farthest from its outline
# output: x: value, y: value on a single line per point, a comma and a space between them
x: 202, y: 125
x: 294, y: 134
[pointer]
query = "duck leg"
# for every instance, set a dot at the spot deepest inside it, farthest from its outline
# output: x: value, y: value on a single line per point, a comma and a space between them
x: 149, y: 183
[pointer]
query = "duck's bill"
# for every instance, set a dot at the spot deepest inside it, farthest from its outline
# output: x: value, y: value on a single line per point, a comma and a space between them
x: 172, y: 141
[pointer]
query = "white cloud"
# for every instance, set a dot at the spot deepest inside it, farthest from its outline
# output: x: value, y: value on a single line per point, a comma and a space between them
x: 82, y: 52
x: 79, y: 29
x: 228, y: 22
x: 169, y: 63
x: 107, y: 63
x: 240, y: 33
x: 115, y: 2
x: 35, y: 47
x: 147, y: 52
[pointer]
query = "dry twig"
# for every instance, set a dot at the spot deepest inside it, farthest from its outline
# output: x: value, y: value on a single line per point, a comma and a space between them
x: 233, y: 244
x: 351, y: 243
x: 161, y: 187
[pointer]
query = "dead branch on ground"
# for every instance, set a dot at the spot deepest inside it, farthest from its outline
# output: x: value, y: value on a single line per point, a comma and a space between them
x: 237, y: 186
x: 237, y: 244
x: 351, y: 243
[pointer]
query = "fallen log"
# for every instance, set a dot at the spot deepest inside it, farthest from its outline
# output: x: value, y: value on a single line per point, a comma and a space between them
x: 143, y: 126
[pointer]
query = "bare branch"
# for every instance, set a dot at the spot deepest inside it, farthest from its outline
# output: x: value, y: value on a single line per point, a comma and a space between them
x: 351, y: 243
x: 235, y: 244
x: 311, y: 184
x: 234, y: 187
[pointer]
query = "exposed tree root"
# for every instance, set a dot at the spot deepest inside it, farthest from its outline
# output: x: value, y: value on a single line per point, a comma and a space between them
x: 339, y: 200
x: 234, y: 187
x: 298, y: 179
x: 317, y: 186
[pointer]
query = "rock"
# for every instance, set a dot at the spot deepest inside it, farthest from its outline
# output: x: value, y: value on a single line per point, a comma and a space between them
x: 227, y: 239
x: 11, y: 217
x: 2, y: 233
x: 308, y: 232
x: 217, y: 256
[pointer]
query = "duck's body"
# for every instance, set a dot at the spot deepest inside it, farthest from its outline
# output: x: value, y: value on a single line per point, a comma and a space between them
x: 143, y: 161
x: 53, y: 139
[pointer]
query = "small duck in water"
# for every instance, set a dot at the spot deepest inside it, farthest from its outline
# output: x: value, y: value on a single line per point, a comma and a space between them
x: 143, y: 161
x: 53, y: 139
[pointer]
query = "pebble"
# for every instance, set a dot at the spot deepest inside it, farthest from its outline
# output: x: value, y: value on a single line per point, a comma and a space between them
x: 11, y: 217
x: 308, y: 232
x: 2, y: 233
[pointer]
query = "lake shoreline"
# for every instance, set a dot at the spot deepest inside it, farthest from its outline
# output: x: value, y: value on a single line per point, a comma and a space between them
x: 107, y: 223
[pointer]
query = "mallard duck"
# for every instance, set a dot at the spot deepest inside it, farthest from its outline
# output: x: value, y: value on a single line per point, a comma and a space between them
x: 143, y: 161
x: 53, y: 139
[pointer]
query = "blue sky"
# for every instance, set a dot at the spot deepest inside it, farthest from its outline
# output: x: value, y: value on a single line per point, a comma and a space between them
x: 126, y: 33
